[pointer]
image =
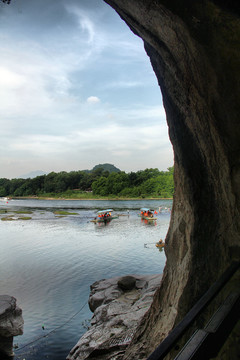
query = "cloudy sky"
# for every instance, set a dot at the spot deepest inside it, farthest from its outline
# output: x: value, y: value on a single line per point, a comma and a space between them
x: 76, y: 89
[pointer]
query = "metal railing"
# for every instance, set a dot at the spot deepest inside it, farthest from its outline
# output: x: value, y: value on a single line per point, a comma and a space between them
x: 170, y: 341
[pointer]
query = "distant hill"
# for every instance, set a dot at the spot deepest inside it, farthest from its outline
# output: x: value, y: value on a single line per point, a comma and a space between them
x: 106, y: 167
x: 32, y: 174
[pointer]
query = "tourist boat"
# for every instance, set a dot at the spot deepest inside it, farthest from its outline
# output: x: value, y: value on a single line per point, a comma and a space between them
x: 104, y: 216
x: 147, y: 214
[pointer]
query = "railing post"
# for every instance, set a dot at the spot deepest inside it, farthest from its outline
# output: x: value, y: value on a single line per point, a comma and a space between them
x: 168, y: 343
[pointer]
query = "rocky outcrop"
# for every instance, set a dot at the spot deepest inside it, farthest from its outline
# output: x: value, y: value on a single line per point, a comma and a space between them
x: 118, y: 305
x: 194, y: 50
x: 11, y: 323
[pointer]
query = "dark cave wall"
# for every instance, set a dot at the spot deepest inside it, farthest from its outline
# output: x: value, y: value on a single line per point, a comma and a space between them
x: 194, y: 50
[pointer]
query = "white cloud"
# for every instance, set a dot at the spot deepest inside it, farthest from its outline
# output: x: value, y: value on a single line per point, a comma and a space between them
x: 122, y: 84
x: 87, y: 25
x: 10, y: 79
x: 45, y: 114
x: 93, y: 100
x: 89, y: 38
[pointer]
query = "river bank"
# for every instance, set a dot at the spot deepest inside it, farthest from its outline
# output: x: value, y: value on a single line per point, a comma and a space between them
x: 86, y: 198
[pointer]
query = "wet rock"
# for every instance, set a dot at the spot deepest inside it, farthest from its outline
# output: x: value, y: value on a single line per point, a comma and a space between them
x: 11, y: 323
x: 117, y: 312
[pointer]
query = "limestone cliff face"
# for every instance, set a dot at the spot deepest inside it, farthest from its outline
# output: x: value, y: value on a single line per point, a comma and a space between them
x: 194, y: 50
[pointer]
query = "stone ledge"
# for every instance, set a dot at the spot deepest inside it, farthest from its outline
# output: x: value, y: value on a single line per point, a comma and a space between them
x: 118, y: 304
x: 11, y: 323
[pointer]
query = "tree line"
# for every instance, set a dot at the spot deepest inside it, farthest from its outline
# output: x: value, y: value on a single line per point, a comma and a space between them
x: 100, y: 182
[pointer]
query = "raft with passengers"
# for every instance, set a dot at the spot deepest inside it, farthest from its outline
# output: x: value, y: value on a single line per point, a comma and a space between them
x: 147, y: 214
x: 104, y: 216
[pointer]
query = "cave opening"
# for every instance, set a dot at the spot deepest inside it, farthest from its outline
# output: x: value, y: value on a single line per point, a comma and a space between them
x: 194, y: 51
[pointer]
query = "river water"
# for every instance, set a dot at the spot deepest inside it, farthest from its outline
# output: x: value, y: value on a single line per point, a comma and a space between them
x: 49, y: 262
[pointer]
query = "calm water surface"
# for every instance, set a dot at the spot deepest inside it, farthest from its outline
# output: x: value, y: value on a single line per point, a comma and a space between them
x: 49, y: 262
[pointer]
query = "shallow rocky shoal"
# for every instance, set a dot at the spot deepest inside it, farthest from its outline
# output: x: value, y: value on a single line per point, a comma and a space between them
x: 118, y: 304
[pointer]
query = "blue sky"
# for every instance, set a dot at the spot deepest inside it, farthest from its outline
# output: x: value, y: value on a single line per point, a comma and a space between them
x: 77, y: 89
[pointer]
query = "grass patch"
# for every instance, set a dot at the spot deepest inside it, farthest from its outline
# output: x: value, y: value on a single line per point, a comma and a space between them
x: 7, y: 218
x: 60, y: 212
x: 23, y: 212
x: 10, y: 218
x: 3, y: 211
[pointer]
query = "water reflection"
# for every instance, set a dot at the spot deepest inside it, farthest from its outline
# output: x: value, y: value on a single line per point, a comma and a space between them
x: 49, y: 262
x: 149, y: 222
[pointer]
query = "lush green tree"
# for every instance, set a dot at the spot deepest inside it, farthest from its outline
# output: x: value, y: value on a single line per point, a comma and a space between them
x: 143, y: 183
x: 37, y: 184
x: 74, y: 179
x: 3, y: 191
x: 121, y: 181
x: 5, y: 185
x: 99, y: 186
x: 49, y: 182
